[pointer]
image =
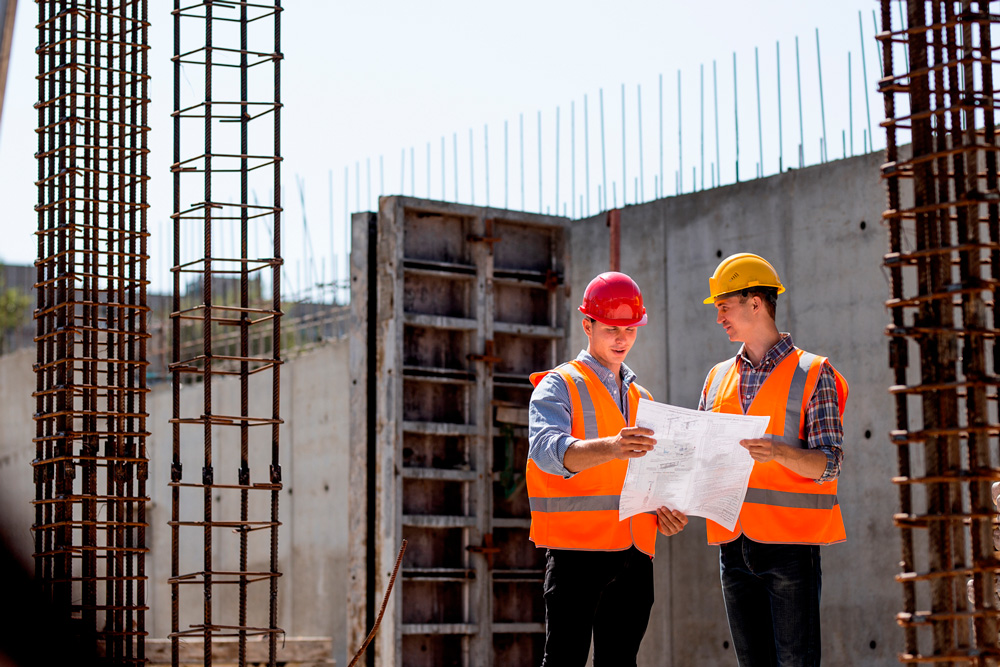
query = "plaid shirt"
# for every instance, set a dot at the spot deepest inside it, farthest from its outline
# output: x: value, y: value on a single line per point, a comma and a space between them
x: 824, y: 430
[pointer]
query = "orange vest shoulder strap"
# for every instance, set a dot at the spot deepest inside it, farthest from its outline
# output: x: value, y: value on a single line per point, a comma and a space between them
x: 714, y: 381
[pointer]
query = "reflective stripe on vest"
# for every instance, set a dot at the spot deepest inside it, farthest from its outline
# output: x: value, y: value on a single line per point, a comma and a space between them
x: 781, y: 506
x: 581, y: 512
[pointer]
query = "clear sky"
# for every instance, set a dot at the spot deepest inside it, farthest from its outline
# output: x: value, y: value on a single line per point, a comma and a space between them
x: 362, y: 82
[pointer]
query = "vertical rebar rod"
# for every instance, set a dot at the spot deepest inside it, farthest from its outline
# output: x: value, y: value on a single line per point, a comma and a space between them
x: 760, y: 120
x: 572, y: 161
x: 624, y: 160
x: 659, y: 192
x: 736, y: 119
x: 604, y: 164
x: 680, y: 139
x: 864, y: 78
x: 822, y: 107
x: 586, y: 157
x: 641, y: 195
x: 557, y: 162
x: 701, y: 119
x: 850, y: 104
x: 521, y: 153
x: 540, y: 210
x: 781, y: 143
x: 715, y: 100
x: 506, y: 168
x: 798, y: 81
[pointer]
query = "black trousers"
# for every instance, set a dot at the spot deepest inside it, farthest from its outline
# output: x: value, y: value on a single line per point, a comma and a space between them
x: 607, y: 594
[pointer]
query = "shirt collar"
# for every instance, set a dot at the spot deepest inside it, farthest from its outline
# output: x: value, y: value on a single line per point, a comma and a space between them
x: 778, y: 351
x: 628, y: 377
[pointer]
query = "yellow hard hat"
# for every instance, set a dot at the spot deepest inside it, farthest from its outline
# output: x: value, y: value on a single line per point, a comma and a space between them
x: 740, y: 271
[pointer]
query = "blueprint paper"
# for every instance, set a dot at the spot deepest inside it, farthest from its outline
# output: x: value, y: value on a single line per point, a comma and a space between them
x: 697, y: 465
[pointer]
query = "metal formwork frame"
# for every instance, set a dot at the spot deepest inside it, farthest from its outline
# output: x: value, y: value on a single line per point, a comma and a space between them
x: 91, y: 464
x: 944, y: 268
x: 226, y: 145
x: 454, y: 306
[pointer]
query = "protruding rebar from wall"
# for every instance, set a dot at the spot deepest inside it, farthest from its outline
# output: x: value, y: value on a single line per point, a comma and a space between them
x: 224, y: 148
x: 944, y: 270
x: 91, y: 466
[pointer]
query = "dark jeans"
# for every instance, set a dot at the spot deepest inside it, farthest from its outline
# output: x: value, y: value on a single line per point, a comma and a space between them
x: 772, y: 600
x: 604, y: 593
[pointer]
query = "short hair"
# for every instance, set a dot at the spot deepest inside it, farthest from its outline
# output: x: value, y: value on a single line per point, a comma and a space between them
x: 769, y: 295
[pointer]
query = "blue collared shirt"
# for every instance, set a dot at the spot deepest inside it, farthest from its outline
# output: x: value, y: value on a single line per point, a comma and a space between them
x: 550, y: 418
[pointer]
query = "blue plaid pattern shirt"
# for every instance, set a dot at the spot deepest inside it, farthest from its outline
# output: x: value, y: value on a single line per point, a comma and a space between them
x: 824, y: 429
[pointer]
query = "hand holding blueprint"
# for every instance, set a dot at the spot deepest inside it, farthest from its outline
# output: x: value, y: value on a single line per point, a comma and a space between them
x: 697, y: 466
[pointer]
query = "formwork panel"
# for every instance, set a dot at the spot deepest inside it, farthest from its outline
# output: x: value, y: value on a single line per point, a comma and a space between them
x: 428, y: 401
x: 434, y: 651
x: 435, y: 548
x: 439, y: 295
x: 467, y: 306
x: 434, y: 602
x: 518, y: 649
x: 522, y: 355
x: 522, y: 304
x: 436, y: 348
x: 433, y: 237
x: 519, y: 553
x: 434, y: 451
x: 526, y: 248
x: 432, y: 496
x: 510, y: 598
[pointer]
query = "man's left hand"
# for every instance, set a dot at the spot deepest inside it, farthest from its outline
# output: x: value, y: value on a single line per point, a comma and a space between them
x: 670, y: 522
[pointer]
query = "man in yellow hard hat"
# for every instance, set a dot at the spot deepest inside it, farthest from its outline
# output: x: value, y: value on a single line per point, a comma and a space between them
x: 770, y: 563
x: 581, y: 433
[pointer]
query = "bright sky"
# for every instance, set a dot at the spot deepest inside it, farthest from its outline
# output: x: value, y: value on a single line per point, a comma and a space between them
x: 365, y: 81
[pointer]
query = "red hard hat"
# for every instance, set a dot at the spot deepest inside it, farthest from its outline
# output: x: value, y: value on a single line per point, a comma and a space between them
x: 614, y: 299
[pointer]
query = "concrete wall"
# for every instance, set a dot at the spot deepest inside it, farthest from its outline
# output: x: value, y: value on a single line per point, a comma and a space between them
x: 821, y: 229
x: 313, y: 502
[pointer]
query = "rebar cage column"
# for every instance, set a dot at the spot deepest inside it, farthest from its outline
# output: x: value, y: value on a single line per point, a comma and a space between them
x: 226, y: 149
x: 90, y: 467
x: 943, y: 265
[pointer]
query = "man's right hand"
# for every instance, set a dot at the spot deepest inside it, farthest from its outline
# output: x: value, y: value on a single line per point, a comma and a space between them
x: 632, y: 442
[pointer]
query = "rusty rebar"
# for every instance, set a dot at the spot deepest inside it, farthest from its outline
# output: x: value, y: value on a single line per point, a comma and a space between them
x: 212, y: 43
x: 91, y: 320
x: 943, y: 266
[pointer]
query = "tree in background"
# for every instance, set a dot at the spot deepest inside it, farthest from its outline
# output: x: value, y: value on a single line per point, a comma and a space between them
x: 14, y: 305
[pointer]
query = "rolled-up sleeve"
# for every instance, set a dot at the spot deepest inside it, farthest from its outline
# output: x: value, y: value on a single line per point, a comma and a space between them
x: 824, y: 429
x: 550, y: 423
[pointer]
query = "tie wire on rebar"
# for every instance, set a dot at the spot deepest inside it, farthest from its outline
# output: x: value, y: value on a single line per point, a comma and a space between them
x: 214, y: 164
x: 91, y: 466
x: 944, y: 270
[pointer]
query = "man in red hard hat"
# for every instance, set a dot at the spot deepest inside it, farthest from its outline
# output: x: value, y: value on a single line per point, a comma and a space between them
x: 599, y: 572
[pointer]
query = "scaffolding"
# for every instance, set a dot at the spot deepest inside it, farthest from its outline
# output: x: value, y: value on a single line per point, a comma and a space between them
x: 944, y: 268
x: 226, y: 146
x: 90, y: 467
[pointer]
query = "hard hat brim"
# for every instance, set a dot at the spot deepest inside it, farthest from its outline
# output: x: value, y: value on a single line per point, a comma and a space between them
x: 616, y: 323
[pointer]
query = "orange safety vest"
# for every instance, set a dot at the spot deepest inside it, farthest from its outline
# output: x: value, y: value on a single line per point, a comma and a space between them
x: 781, y: 507
x: 582, y: 512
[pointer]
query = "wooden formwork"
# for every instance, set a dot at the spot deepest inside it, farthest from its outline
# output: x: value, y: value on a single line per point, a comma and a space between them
x: 453, y: 307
